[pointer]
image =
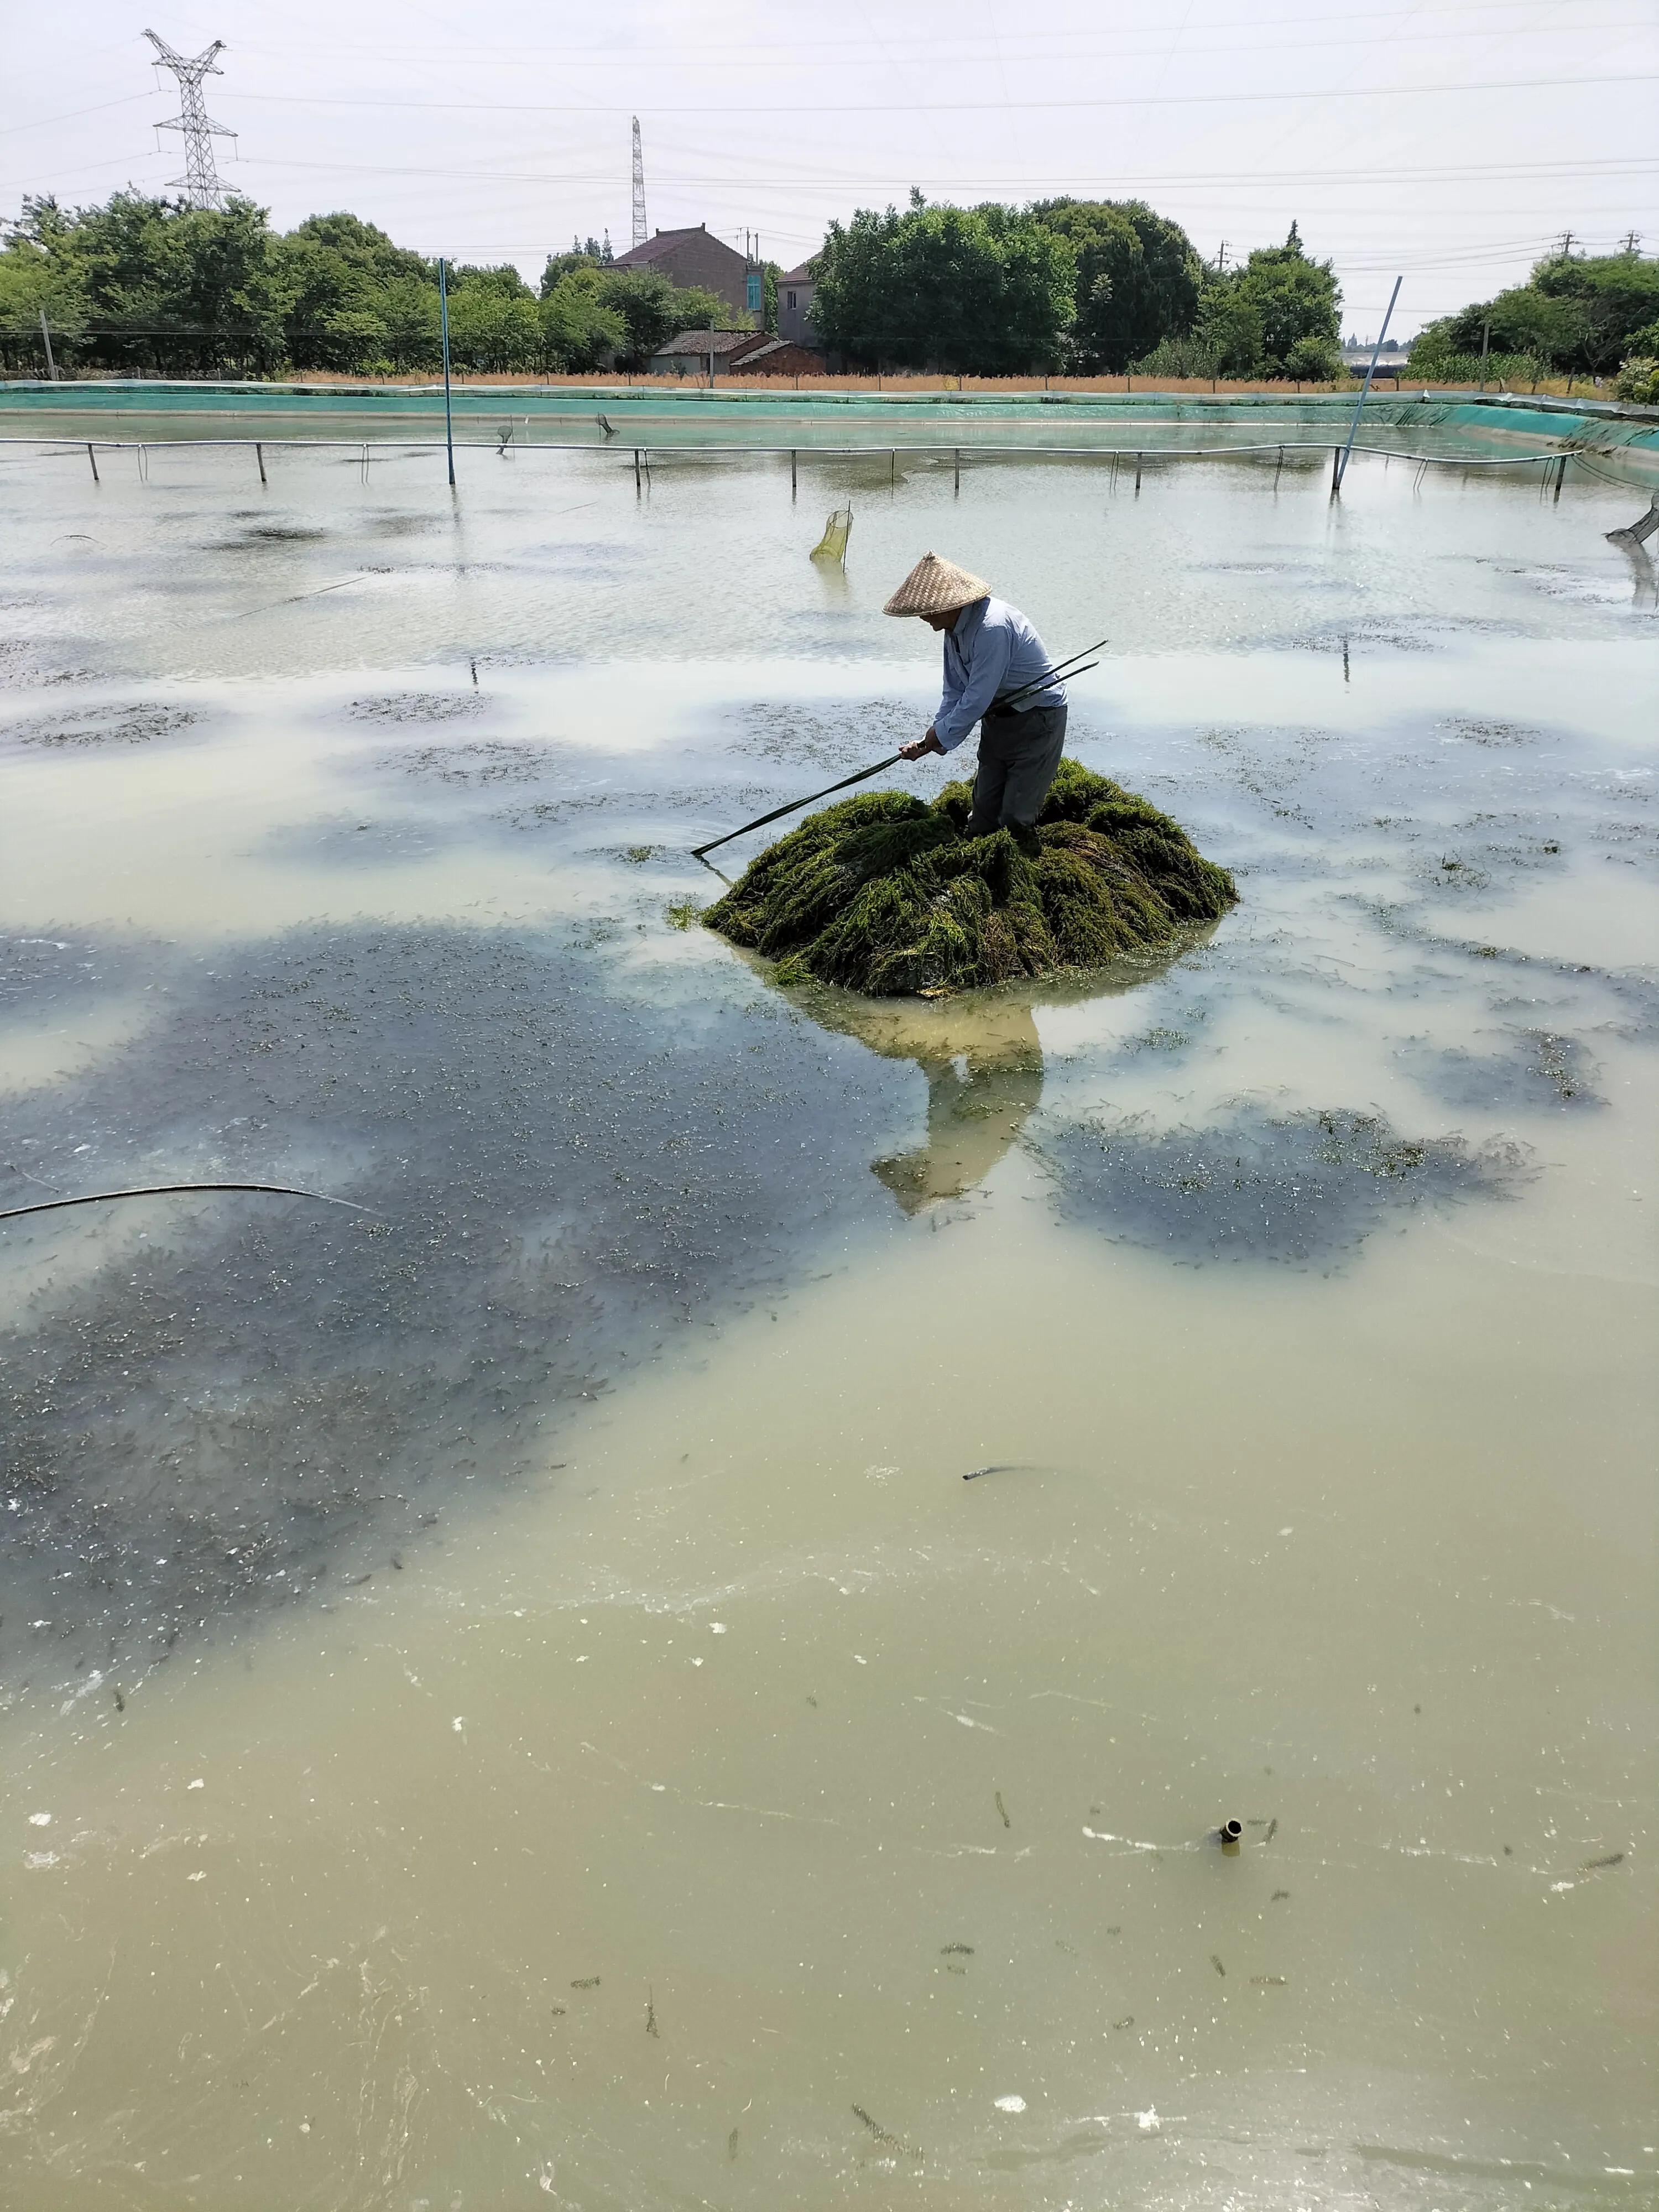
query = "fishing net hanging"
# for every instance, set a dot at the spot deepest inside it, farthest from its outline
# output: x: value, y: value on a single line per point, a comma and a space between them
x: 883, y: 893
x: 832, y: 546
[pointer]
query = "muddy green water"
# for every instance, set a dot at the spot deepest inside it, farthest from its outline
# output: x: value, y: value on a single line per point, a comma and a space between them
x: 508, y: 1697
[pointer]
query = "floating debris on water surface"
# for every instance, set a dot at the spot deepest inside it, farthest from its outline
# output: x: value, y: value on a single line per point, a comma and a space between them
x: 889, y: 2141
x: 588, y: 1982
x: 1003, y: 1810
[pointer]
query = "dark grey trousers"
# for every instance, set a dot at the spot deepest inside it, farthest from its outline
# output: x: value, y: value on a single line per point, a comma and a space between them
x: 1019, y: 754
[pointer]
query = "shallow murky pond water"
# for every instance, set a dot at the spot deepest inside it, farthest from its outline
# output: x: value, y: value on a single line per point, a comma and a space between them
x: 507, y: 1696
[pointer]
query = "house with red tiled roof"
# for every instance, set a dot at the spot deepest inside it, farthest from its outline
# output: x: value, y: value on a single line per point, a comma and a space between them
x: 735, y: 353
x: 689, y: 257
x: 688, y: 355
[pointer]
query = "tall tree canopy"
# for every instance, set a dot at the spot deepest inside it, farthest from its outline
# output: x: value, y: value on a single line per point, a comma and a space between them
x: 985, y: 291
x: 146, y: 286
x: 1298, y: 301
x: 1138, y: 278
x: 1581, y: 311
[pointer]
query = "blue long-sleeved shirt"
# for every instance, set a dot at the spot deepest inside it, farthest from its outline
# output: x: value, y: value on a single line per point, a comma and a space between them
x: 991, y: 651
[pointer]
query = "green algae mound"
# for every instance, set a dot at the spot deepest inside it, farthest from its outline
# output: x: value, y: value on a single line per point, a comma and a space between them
x: 884, y: 895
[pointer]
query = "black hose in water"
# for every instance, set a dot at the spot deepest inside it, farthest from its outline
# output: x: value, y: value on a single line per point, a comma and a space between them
x: 162, y: 1189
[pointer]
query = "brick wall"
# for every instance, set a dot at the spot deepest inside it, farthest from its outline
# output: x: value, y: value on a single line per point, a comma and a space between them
x: 694, y: 257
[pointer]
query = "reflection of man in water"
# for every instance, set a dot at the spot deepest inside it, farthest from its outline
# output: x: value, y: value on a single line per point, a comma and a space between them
x: 991, y: 652
x: 983, y: 1063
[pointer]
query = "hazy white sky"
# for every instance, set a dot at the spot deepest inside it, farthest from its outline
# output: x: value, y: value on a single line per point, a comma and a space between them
x: 1448, y: 141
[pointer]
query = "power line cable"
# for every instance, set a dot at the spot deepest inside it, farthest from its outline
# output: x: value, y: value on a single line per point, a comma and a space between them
x: 723, y: 55
x: 971, y: 106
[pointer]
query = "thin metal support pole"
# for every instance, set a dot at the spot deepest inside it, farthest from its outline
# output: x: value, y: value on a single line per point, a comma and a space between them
x: 1336, y: 470
x: 443, y: 325
x: 1280, y: 467
x: 1560, y: 478
x: 794, y: 476
x: 260, y: 456
x: 636, y: 468
x: 892, y: 469
x: 93, y: 457
x: 1137, y: 476
x: 1365, y: 390
x: 956, y: 459
x: 862, y: 776
x: 52, y: 366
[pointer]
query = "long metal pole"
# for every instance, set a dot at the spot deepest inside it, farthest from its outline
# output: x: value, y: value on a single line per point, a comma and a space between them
x: 52, y: 366
x: 778, y: 812
x: 1342, y: 465
x: 443, y: 325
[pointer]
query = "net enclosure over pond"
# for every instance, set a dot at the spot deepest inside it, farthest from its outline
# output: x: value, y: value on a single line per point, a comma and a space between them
x: 883, y: 893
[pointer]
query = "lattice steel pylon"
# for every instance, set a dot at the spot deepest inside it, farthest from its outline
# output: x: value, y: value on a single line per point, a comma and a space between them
x: 201, y: 179
x: 639, y: 186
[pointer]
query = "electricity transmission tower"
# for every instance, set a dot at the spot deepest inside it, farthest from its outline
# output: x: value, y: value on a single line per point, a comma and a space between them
x: 201, y: 179
x: 639, y: 187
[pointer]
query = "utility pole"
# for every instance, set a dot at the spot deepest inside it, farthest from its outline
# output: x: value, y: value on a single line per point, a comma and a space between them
x: 201, y: 181
x: 1566, y: 246
x: 639, y: 186
x: 1221, y: 260
x: 52, y: 366
x: 1632, y: 239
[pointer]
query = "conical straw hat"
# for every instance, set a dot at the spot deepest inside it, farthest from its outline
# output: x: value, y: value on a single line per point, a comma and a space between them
x: 936, y: 587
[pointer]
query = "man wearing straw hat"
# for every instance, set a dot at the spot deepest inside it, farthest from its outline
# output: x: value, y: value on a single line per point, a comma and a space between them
x: 994, y: 667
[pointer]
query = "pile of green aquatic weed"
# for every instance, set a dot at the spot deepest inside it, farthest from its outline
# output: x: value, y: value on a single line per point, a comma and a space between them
x: 883, y: 893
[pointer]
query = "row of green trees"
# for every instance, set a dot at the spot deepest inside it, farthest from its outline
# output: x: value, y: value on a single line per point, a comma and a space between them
x: 1095, y: 285
x: 145, y: 286
x: 148, y: 286
x: 1577, y: 315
